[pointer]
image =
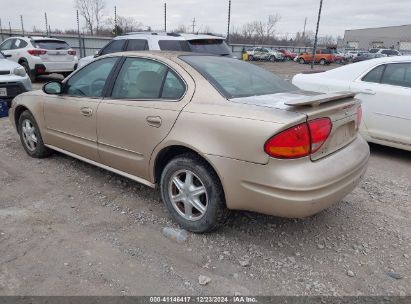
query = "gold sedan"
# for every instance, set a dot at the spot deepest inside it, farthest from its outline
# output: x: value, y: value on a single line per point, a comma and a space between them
x: 214, y: 133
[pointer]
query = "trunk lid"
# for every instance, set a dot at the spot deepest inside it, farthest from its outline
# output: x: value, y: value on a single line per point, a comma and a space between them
x: 341, y: 108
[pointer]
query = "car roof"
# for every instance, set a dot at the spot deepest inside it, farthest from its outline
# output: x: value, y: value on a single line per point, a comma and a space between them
x: 167, y: 36
x: 353, y: 71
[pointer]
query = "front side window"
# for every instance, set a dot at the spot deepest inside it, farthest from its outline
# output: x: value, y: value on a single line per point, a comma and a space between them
x: 374, y: 75
x: 90, y: 81
x: 137, y: 45
x: 235, y: 78
x: 7, y: 45
x: 397, y: 74
x: 143, y: 79
x: 113, y: 47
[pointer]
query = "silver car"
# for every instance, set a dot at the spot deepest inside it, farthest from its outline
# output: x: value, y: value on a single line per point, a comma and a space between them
x: 13, y: 79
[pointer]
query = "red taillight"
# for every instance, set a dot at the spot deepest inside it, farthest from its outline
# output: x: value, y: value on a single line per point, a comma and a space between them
x: 300, y: 140
x: 71, y: 52
x: 37, y: 52
x: 291, y: 143
x: 359, y: 116
x: 319, y: 129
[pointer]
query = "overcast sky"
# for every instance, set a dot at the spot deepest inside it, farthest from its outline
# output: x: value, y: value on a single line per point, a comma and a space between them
x: 337, y: 16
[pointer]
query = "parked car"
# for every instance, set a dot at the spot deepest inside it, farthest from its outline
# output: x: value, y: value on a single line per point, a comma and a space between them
x: 367, y: 56
x: 387, y: 52
x: 384, y: 88
x: 287, y: 54
x: 350, y: 55
x: 13, y: 79
x: 161, y: 41
x: 265, y: 54
x: 213, y: 132
x: 41, y: 55
x: 322, y: 57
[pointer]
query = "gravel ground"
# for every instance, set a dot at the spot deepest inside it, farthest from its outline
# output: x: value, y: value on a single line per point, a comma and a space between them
x: 67, y: 228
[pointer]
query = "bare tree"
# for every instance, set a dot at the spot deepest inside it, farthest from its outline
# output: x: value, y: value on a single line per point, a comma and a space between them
x: 92, y: 12
x: 181, y: 29
x: 125, y: 24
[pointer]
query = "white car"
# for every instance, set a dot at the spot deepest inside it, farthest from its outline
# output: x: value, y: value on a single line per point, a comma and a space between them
x: 384, y: 87
x: 40, y: 55
x: 386, y: 52
x: 161, y: 41
x: 13, y: 79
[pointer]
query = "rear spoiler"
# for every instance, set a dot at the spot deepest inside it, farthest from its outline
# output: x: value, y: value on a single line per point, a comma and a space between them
x: 317, y: 100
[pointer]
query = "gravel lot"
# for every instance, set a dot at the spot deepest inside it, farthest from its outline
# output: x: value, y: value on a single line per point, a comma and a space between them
x: 67, y: 228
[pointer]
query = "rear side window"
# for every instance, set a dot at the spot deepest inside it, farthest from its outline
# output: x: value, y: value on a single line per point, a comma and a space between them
x: 19, y: 44
x: 374, y: 75
x: 143, y: 79
x: 113, y: 47
x: 51, y: 44
x: 211, y: 46
x: 174, y: 45
x: 137, y: 45
x: 397, y: 74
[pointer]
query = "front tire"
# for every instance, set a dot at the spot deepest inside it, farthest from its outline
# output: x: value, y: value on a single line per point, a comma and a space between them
x: 193, y: 194
x: 30, y: 136
x: 28, y: 71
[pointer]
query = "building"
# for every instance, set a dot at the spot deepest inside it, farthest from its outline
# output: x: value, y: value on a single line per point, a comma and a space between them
x: 394, y: 37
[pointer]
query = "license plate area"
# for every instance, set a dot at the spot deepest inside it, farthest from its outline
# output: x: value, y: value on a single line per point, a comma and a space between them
x: 3, y: 92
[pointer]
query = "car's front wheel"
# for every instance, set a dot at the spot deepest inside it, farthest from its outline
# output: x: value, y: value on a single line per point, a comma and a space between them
x: 193, y: 194
x: 30, y: 136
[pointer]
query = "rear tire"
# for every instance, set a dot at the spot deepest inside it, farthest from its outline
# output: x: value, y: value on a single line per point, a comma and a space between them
x: 193, y: 194
x: 323, y: 61
x: 250, y: 58
x: 272, y: 58
x: 28, y: 71
x: 30, y: 136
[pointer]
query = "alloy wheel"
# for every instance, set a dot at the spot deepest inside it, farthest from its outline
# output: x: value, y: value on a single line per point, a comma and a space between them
x: 29, y: 135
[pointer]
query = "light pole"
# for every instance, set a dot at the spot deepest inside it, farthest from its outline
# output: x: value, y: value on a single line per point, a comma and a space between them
x: 316, y: 35
x: 165, y: 16
x: 229, y: 20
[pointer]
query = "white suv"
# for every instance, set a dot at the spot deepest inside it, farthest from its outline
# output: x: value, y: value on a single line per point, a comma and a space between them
x: 161, y: 41
x: 40, y: 55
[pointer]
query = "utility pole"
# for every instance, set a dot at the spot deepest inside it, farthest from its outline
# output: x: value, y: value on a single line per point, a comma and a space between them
x: 165, y: 16
x: 305, y: 23
x: 10, y: 28
x: 1, y: 31
x: 316, y: 35
x: 47, y: 26
x: 79, y: 36
x: 229, y: 19
x: 115, y: 21
x: 22, y: 25
x: 194, y: 24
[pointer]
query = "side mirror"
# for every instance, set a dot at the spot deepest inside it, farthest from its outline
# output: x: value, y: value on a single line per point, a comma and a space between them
x: 96, y: 54
x: 53, y: 87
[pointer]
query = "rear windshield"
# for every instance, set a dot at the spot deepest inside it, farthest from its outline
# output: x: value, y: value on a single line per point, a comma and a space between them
x: 174, y: 45
x: 51, y: 44
x: 209, y: 46
x: 235, y: 78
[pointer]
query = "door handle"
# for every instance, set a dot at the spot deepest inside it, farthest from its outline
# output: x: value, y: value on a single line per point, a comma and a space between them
x: 86, y: 111
x: 367, y: 91
x: 154, y: 121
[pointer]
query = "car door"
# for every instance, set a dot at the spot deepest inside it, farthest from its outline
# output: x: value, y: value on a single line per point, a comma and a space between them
x: 17, y: 49
x: 145, y: 101
x: 7, y: 48
x: 386, y: 96
x: 70, y: 118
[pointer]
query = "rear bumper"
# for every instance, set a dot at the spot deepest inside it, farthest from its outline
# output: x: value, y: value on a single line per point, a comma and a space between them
x: 59, y: 67
x: 292, y: 188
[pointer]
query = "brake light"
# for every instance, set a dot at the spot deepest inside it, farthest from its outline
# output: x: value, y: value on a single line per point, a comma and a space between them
x: 37, y: 52
x: 71, y: 52
x: 359, y: 116
x: 291, y: 143
x: 319, y: 130
x: 300, y: 140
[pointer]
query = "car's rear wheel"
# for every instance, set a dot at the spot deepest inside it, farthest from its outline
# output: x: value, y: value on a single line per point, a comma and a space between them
x: 323, y: 61
x: 193, y: 194
x: 28, y: 71
x: 272, y: 58
x: 251, y: 58
x: 30, y: 136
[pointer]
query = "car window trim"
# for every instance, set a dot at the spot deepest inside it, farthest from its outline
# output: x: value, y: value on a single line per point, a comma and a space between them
x: 393, y: 85
x: 361, y: 78
x: 109, y: 92
x: 105, y: 85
